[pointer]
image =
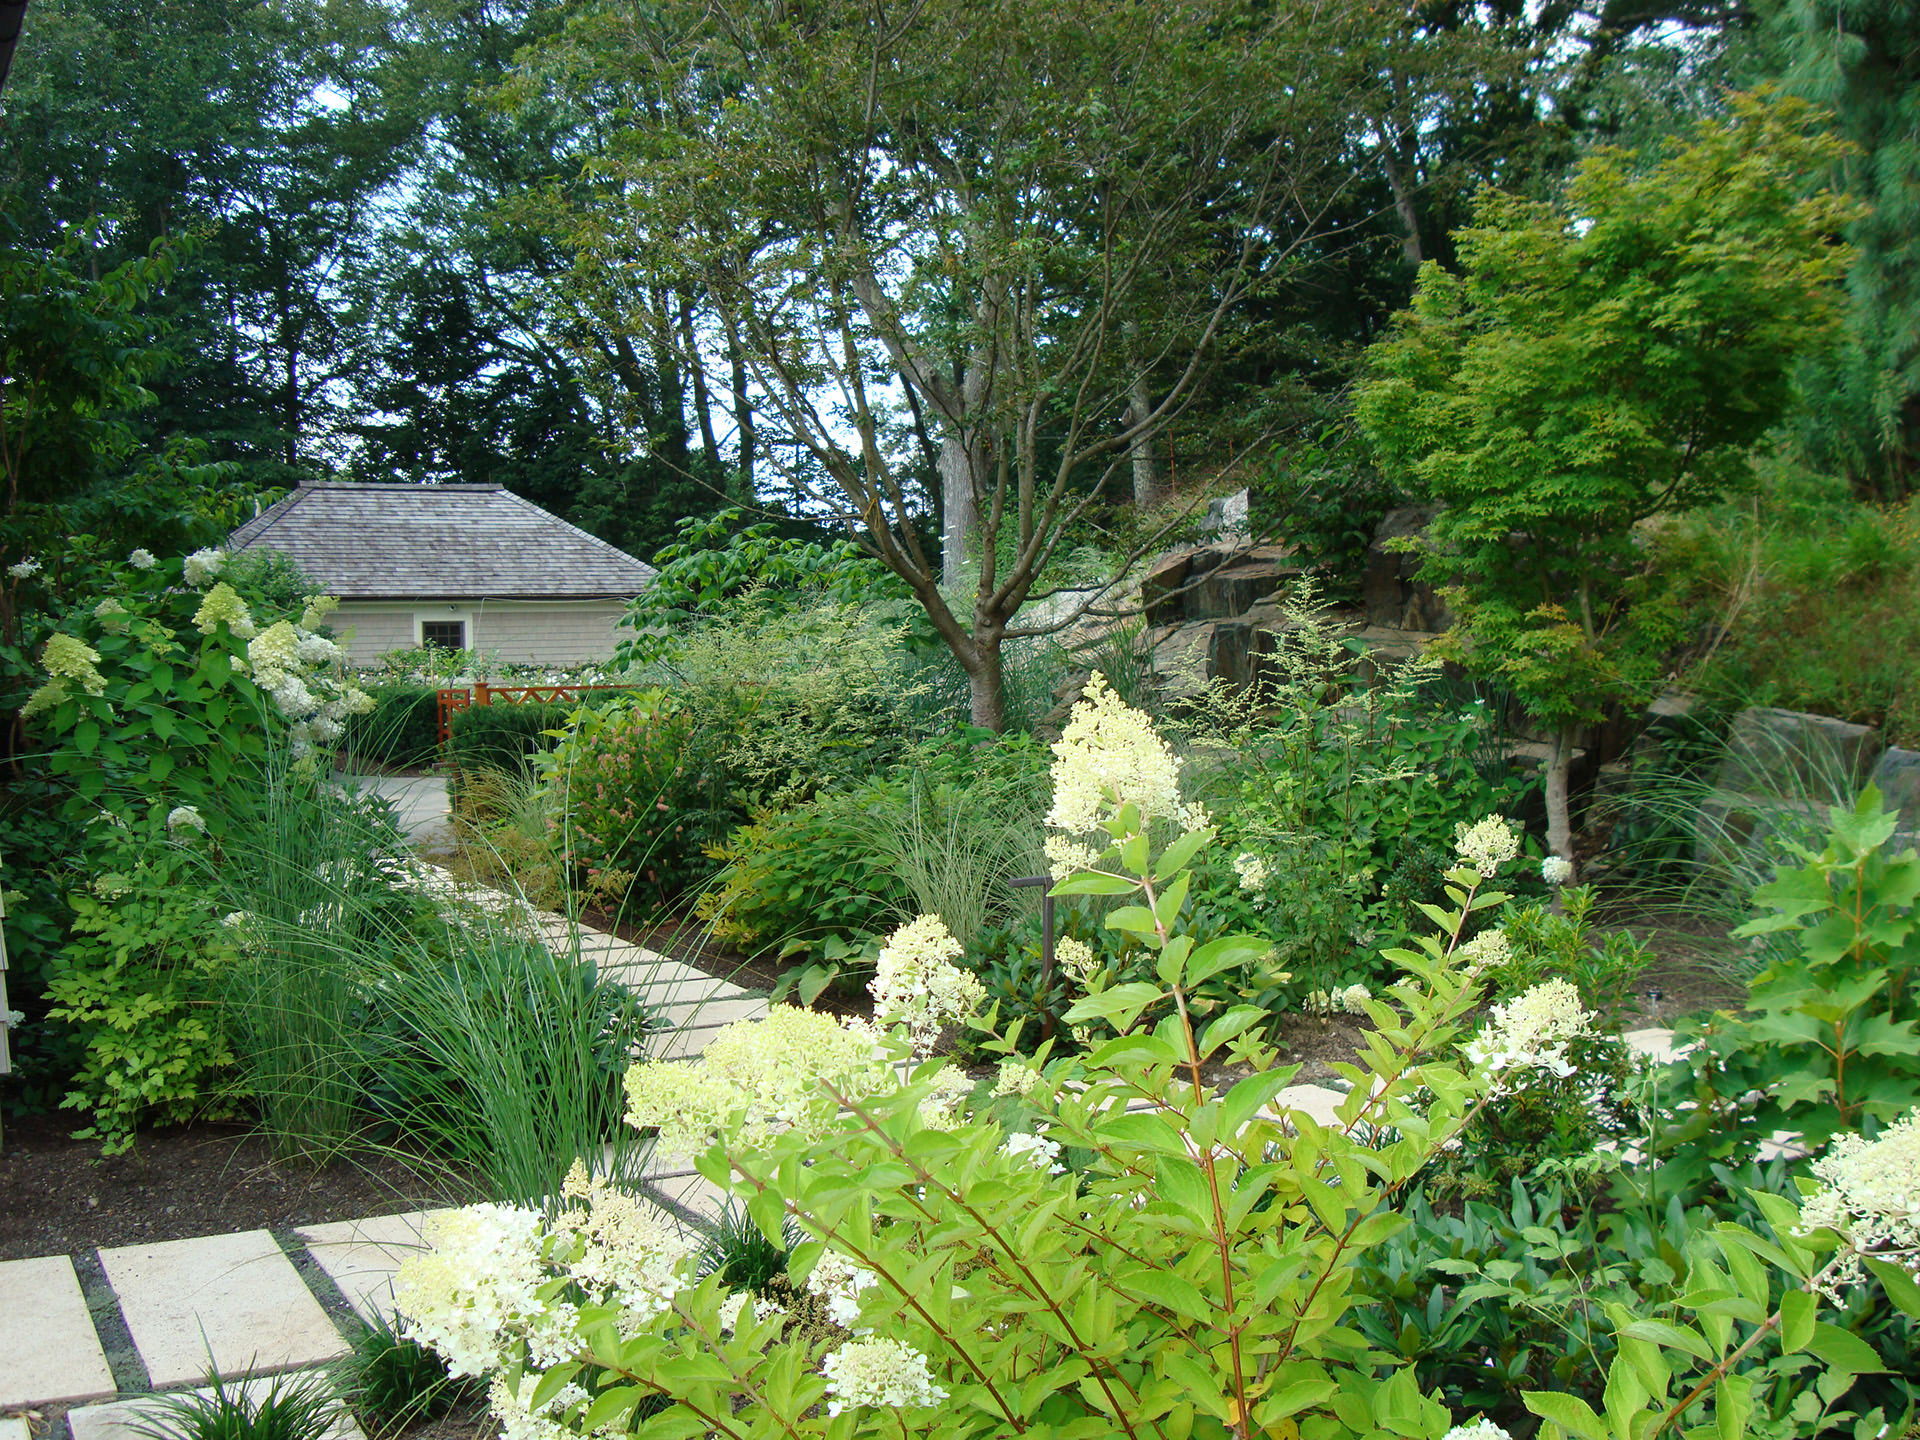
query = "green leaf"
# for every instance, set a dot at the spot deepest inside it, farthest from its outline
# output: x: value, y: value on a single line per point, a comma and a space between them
x: 1135, y: 920
x: 1569, y: 1412
x: 611, y: 1405
x: 1899, y: 1286
x: 1844, y: 1351
x: 1798, y: 1312
x: 1180, y: 1183
x: 1177, y: 855
x: 1217, y: 955
x: 1121, y: 1001
x: 1172, y: 1292
x: 1244, y: 1100
x: 1089, y: 883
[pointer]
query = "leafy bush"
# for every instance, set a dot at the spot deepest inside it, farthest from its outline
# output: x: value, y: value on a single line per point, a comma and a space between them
x: 1815, y: 600
x: 504, y: 736
x: 643, y: 794
x: 1051, y: 1260
x: 403, y: 728
x: 1340, y: 786
x: 137, y: 982
x: 794, y: 879
x: 1544, y: 943
x: 1827, y: 1041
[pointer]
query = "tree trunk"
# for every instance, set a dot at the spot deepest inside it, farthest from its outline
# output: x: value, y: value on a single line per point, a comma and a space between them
x: 1559, y: 811
x: 986, y: 684
x: 702, y: 408
x: 742, y: 415
x: 958, y: 519
x: 1402, y: 201
x: 1146, y: 476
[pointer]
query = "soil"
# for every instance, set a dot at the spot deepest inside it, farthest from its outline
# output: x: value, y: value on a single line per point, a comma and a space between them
x: 59, y: 1197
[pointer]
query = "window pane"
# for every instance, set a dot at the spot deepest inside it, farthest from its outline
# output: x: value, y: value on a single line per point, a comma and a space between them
x: 447, y: 634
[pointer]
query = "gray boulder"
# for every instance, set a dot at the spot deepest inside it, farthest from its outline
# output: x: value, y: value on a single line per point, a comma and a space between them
x: 1796, y: 756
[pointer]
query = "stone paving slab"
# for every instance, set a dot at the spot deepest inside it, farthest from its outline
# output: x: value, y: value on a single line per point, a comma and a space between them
x: 692, y: 1192
x: 1315, y: 1100
x: 362, y: 1256
x: 236, y: 1295
x: 15, y: 1427
x: 120, y: 1420
x: 48, y: 1348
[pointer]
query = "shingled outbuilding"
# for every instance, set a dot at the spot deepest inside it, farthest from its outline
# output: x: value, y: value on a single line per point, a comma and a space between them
x: 461, y: 566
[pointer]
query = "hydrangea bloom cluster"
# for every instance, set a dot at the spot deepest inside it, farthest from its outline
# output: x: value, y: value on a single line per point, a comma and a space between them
x: 916, y: 983
x: 879, y: 1373
x: 771, y: 1072
x: 1108, y: 756
x: 142, y: 559
x: 1252, y: 871
x: 1870, y: 1195
x: 476, y: 1295
x: 112, y: 616
x: 1556, y: 870
x: 1489, y: 950
x: 305, y: 676
x: 838, y: 1281
x: 1016, y: 1078
x: 65, y: 659
x: 1349, y: 1000
x: 185, y: 817
x: 1486, y: 844
x: 202, y: 567
x: 24, y: 569
x: 1481, y: 1429
x: 223, y: 606
x: 476, y: 1288
x: 1532, y: 1031
x: 1041, y: 1153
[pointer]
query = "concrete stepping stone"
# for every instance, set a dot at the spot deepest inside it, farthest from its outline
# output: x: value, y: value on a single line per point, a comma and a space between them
x: 1314, y: 1100
x: 1656, y: 1043
x: 120, y: 1420
x: 48, y: 1348
x: 236, y: 1296
x: 362, y: 1256
x: 15, y: 1427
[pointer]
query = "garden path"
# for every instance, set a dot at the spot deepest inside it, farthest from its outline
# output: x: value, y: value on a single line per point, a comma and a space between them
x: 425, y: 811
x: 125, y: 1320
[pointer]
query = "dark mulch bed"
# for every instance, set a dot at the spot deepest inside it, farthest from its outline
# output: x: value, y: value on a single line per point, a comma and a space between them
x: 59, y: 1197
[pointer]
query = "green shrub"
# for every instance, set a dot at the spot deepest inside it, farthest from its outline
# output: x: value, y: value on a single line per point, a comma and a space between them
x: 402, y: 730
x: 642, y: 790
x: 503, y: 736
x: 795, y: 879
x: 1827, y: 1040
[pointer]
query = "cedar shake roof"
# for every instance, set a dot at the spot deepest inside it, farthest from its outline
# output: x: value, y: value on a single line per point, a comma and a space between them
x: 439, y: 542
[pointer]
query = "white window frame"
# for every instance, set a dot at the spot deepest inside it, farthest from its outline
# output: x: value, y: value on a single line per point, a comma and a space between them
x: 449, y: 614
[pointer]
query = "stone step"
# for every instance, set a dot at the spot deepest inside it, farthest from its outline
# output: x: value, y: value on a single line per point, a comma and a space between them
x: 129, y: 1419
x: 48, y: 1348
x: 362, y: 1256
x: 231, y: 1303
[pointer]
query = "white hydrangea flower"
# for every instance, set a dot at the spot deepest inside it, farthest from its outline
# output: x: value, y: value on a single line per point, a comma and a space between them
x: 1016, y: 1078
x: 1076, y: 958
x: 1353, y: 999
x: 318, y: 608
x: 916, y: 983
x: 1556, y: 870
x: 878, y: 1373
x: 185, y: 817
x: 1041, y: 1153
x: 223, y: 606
x: 1109, y: 756
x: 627, y: 1258
x: 203, y: 566
x: 112, y: 615
x: 773, y: 1072
x: 318, y: 650
x: 475, y: 1288
x: 142, y: 559
x: 1870, y: 1196
x: 24, y: 569
x: 1252, y: 871
x: 1489, y: 950
x: 1532, y: 1031
x: 1487, y: 844
x: 941, y: 1109
x: 1481, y: 1429
x: 838, y: 1281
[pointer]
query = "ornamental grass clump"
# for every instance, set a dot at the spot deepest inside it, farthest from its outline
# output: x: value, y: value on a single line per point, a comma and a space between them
x: 1191, y: 1271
